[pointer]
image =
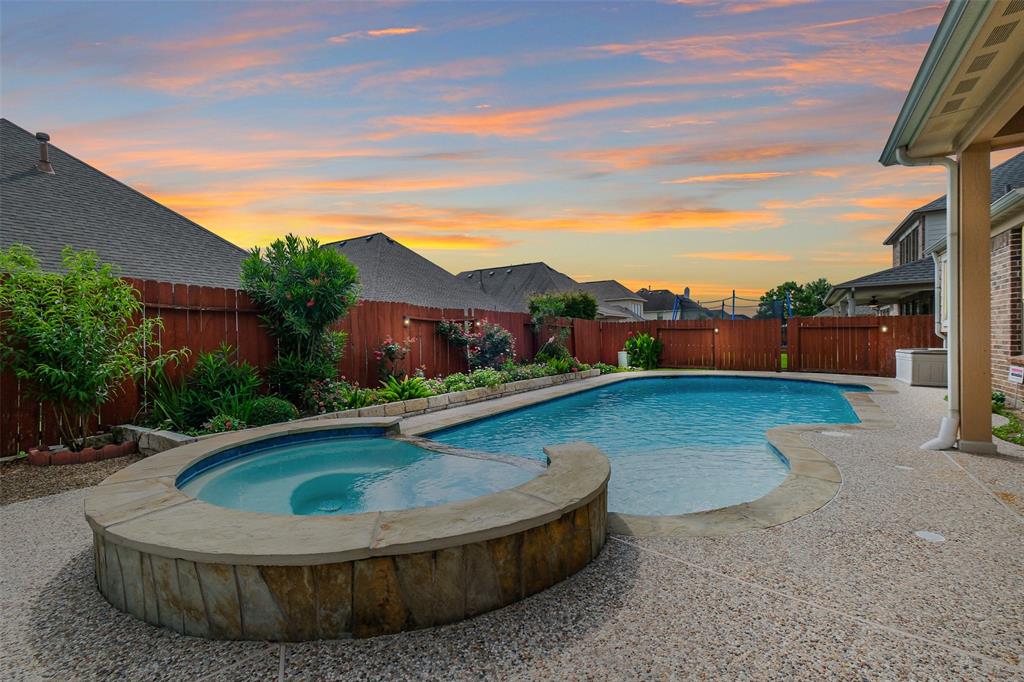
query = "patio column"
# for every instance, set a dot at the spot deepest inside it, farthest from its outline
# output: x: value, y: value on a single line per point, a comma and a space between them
x: 975, y: 301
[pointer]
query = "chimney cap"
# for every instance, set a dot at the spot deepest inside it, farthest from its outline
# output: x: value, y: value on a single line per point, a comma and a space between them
x: 43, y: 137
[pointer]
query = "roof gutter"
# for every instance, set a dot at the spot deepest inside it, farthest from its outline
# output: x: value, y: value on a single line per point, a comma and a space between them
x: 950, y: 427
x: 960, y: 22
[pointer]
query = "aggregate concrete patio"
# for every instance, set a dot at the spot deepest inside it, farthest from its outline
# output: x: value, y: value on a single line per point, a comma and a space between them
x: 847, y: 592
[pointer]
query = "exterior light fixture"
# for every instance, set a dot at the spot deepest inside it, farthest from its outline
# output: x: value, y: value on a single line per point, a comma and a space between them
x: 406, y: 321
x: 716, y: 330
x: 479, y: 323
x: 885, y: 328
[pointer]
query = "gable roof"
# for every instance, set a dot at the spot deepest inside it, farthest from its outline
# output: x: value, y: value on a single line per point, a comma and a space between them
x: 389, y: 271
x: 513, y: 285
x: 82, y: 207
x: 1006, y: 177
x: 609, y: 290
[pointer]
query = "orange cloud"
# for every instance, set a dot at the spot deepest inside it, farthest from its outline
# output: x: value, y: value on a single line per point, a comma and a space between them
x: 698, y: 290
x: 738, y: 256
x: 856, y: 216
x: 374, y: 33
x: 852, y: 257
x: 515, y: 122
x: 728, y: 177
x: 450, y: 71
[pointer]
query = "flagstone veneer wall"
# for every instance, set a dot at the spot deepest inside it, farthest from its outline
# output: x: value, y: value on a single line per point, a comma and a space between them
x: 179, y: 563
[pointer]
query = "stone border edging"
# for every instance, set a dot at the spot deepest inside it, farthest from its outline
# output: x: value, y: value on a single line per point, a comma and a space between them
x: 198, y: 569
x: 812, y: 482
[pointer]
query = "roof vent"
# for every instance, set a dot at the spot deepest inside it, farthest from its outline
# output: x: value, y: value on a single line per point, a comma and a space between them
x: 43, y: 164
x: 508, y: 271
x: 952, y: 106
x: 981, y: 62
x: 1000, y: 34
x: 469, y: 276
x: 491, y: 273
x: 966, y: 85
x: 370, y: 237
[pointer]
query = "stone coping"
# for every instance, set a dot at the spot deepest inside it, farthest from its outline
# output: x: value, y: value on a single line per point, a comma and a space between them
x: 141, y: 508
x: 812, y: 482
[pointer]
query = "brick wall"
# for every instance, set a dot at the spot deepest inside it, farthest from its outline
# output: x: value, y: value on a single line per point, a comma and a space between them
x: 1006, y: 308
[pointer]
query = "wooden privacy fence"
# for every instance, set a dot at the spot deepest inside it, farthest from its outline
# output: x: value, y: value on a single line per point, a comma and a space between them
x: 202, y: 318
x: 856, y: 345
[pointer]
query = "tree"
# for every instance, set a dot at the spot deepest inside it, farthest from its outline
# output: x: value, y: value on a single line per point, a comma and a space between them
x: 302, y: 290
x: 74, y: 337
x: 577, y: 304
x: 808, y: 299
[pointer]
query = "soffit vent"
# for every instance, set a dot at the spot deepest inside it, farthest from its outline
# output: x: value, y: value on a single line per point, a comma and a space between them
x: 1000, y: 34
x: 982, y: 61
x: 1014, y: 7
x: 965, y: 86
x: 952, y: 106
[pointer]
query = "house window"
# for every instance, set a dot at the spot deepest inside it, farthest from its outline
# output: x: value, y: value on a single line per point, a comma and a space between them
x: 910, y: 246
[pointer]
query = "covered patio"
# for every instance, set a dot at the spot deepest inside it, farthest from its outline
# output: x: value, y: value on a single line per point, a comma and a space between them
x: 966, y: 102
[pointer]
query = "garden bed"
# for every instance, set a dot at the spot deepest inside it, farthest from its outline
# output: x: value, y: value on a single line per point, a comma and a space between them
x: 153, y: 441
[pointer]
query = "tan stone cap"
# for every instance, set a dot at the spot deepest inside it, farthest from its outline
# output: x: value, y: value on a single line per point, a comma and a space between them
x: 140, y: 507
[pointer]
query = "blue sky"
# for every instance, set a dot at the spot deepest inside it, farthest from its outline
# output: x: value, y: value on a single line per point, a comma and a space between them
x: 708, y: 144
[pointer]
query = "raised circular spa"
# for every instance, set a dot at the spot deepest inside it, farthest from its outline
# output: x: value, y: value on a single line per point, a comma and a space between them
x: 329, y: 529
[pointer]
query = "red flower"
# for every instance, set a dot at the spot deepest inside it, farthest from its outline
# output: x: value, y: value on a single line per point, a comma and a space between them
x: 310, y: 303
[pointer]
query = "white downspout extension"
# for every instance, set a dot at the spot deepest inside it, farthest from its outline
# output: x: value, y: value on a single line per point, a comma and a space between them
x: 950, y: 423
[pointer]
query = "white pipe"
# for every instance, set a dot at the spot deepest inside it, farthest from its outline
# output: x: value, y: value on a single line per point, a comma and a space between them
x: 950, y: 423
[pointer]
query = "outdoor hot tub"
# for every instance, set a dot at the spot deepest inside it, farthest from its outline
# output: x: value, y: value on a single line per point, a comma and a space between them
x: 329, y: 529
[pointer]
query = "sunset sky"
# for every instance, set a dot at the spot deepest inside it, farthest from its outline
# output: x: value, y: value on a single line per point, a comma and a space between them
x: 701, y: 143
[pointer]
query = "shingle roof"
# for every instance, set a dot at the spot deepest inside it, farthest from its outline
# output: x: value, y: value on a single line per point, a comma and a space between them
x: 657, y: 300
x: 84, y: 208
x: 513, y: 285
x: 1006, y: 177
x: 921, y: 271
x: 609, y: 290
x: 389, y: 271
x: 616, y: 312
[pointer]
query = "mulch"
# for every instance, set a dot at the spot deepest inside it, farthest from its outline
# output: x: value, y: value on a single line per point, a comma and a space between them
x: 20, y: 481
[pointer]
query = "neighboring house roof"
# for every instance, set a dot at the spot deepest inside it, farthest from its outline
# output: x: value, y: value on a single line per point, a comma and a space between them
x: 920, y: 273
x: 660, y: 300
x: 610, y: 311
x: 513, y: 285
x: 82, y: 207
x: 1006, y: 177
x: 389, y: 271
x: 1007, y: 211
x: 859, y: 311
x: 610, y: 290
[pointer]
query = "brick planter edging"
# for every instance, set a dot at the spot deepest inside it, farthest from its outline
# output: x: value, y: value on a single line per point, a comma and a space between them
x: 37, y: 457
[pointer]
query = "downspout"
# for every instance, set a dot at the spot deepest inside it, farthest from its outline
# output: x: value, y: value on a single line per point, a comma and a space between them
x: 951, y: 422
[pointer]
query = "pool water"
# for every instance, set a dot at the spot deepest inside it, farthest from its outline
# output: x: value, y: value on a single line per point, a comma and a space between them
x: 345, y: 475
x: 677, y: 445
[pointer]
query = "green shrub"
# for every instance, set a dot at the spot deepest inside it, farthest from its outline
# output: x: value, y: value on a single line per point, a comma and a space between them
x: 644, y: 351
x: 72, y: 338
x: 325, y: 395
x: 605, y: 368
x: 998, y: 401
x: 457, y: 382
x: 553, y: 349
x: 409, y: 388
x: 491, y: 346
x: 356, y: 397
x: 290, y: 374
x: 577, y: 304
x: 219, y: 384
x: 271, y: 410
x: 222, y: 422
x: 487, y: 377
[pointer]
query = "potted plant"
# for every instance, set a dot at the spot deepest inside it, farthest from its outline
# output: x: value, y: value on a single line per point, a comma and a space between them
x: 73, y: 338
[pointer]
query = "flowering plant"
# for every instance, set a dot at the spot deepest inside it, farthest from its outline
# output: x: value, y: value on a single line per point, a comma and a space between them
x: 489, y: 345
x: 389, y: 354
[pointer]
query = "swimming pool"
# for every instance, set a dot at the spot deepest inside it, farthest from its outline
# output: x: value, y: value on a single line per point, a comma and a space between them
x: 344, y: 475
x: 677, y: 445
